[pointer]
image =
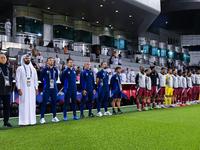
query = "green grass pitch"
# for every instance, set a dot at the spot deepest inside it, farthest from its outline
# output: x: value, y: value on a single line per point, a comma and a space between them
x: 172, y: 129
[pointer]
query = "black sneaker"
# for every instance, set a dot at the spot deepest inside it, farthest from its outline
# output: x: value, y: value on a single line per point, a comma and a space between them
x: 120, y: 112
x: 7, y: 124
x: 91, y: 115
x: 82, y: 116
x: 114, y: 113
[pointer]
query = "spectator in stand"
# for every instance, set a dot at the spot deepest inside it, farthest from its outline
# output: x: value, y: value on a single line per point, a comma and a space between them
x: 111, y: 60
x: 78, y: 70
x: 78, y: 77
x: 54, y: 63
x: 95, y: 70
x: 115, y: 61
x: 97, y: 53
x: 172, y: 65
x: 50, y: 44
x: 154, y: 63
x: 69, y: 47
x: 123, y: 76
x: 65, y: 50
x: 56, y: 49
x: 99, y: 67
x: 39, y: 65
x: 128, y: 75
x: 57, y: 60
x: 63, y: 68
x: 29, y: 50
x: 27, y: 40
x: 179, y: 66
x: 109, y: 53
x: 137, y: 60
x: 120, y: 56
x: 132, y: 75
x: 120, y: 61
x: 113, y: 53
x: 88, y: 51
x: 113, y: 71
x: 34, y: 51
x: 69, y: 58
x: 39, y: 57
x: 168, y: 64
x: 33, y: 63
x: 46, y: 63
x: 184, y: 68
x: 109, y: 77
x: 108, y: 69
x: 7, y: 27
x: 41, y: 43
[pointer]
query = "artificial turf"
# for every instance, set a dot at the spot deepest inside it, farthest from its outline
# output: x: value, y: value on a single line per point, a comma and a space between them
x: 172, y: 128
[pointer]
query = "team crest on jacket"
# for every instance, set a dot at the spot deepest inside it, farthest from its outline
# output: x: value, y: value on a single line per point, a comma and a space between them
x: 91, y: 73
x: 86, y: 74
x: 47, y: 71
x: 68, y: 72
x: 74, y: 71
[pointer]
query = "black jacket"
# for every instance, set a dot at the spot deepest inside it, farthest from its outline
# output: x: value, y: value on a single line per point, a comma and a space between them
x: 154, y: 76
x: 5, y: 90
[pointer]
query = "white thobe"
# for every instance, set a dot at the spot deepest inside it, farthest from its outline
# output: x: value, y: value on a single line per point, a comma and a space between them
x: 113, y: 71
x: 108, y: 70
x: 132, y: 74
x: 123, y: 77
x: 27, y: 101
x: 95, y: 70
x: 115, y: 61
x: 128, y: 76
x: 7, y: 28
x: 109, y: 78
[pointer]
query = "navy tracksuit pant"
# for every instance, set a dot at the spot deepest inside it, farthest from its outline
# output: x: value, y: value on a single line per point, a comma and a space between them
x: 69, y: 94
x: 49, y: 93
x: 103, y: 97
x: 90, y: 99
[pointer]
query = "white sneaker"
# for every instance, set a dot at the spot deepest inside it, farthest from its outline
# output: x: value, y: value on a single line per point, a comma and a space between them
x: 99, y: 114
x: 162, y: 106
x: 107, y: 113
x: 55, y: 119
x: 42, y: 121
x: 157, y: 107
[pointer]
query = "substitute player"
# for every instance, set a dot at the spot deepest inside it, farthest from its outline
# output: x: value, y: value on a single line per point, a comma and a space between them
x: 161, y: 87
x: 68, y: 79
x: 197, y: 78
x: 88, y: 89
x: 103, y: 90
x: 154, y: 77
x: 141, y: 88
x: 190, y: 88
x: 116, y: 86
x: 184, y: 92
x: 169, y: 89
x: 180, y: 87
x: 148, y: 90
x: 193, y: 75
x: 175, y: 86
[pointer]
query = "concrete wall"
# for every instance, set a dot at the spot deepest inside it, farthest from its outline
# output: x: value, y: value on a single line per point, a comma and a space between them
x: 189, y: 40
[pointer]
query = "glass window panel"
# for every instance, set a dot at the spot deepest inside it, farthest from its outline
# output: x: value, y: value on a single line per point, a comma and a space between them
x: 63, y: 32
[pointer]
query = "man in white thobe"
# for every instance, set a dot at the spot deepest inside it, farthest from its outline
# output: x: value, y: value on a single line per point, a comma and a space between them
x: 95, y: 70
x: 27, y: 85
x: 132, y: 75
x: 128, y: 76
x: 108, y: 69
x: 7, y: 27
x: 123, y: 76
x: 115, y: 61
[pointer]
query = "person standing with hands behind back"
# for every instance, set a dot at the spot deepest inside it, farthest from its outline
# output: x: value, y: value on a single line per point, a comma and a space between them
x: 5, y: 88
